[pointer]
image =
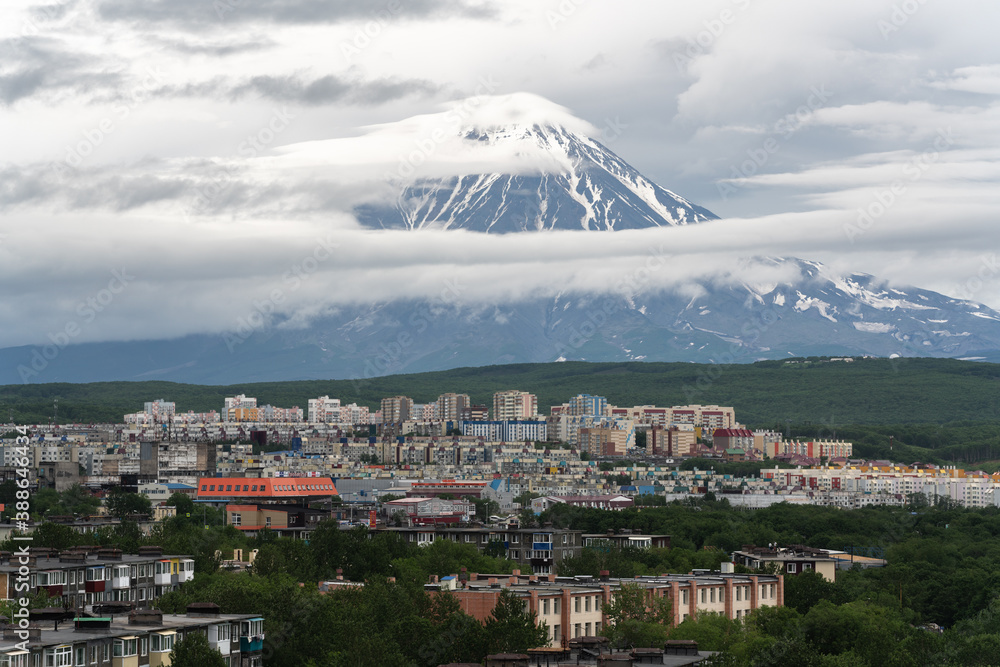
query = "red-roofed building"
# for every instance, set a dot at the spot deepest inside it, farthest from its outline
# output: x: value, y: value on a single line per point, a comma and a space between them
x: 422, y: 511
x: 732, y: 438
x: 265, y: 488
x: 457, y: 488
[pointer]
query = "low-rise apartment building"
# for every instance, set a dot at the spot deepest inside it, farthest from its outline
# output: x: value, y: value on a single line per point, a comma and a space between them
x: 573, y: 607
x: 144, y: 638
x: 541, y: 548
x: 86, y: 576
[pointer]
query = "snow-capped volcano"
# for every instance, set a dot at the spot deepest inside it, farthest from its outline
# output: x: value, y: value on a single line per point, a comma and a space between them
x: 519, y: 163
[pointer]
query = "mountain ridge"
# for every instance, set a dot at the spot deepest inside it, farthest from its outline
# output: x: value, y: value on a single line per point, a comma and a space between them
x: 594, y: 189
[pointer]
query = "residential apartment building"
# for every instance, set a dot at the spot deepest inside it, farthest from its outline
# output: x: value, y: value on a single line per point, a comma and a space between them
x: 673, y: 441
x: 815, y: 449
x: 573, y: 607
x: 648, y: 415
x: 323, y: 410
x: 506, y: 430
x: 85, y: 576
x: 607, y: 440
x: 587, y: 405
x: 144, y: 638
x: 450, y: 406
x: 791, y: 560
x: 239, y: 406
x: 704, y: 416
x: 514, y: 405
x: 541, y: 548
x: 396, y: 409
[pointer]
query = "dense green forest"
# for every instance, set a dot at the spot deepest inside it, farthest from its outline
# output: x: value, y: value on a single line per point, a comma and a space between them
x: 936, y: 602
x: 937, y: 410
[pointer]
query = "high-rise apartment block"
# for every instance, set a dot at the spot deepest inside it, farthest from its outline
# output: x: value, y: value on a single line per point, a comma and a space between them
x: 397, y: 409
x: 514, y: 405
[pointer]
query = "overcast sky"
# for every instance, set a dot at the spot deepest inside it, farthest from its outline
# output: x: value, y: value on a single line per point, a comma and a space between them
x: 172, y: 161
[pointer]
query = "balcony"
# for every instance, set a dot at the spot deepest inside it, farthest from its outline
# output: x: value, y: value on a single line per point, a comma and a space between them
x: 254, y: 643
x: 94, y: 586
x: 121, y: 579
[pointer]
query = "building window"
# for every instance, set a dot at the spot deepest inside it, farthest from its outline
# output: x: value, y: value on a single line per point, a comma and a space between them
x: 684, y: 597
x: 161, y: 643
x: 712, y: 595
x: 586, y: 629
x: 125, y: 648
x: 738, y: 589
x: 60, y: 656
x: 791, y: 568
x: 236, y: 519
x: 545, y: 607
x: 576, y: 608
x: 555, y: 607
x: 143, y: 645
x: 703, y: 596
x: 81, y: 656
x: 586, y: 604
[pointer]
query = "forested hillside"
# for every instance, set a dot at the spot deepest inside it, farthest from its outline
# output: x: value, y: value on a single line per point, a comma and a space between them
x: 936, y: 409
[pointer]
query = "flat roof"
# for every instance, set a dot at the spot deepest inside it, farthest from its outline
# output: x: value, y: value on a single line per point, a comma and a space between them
x: 67, y: 634
x: 265, y: 487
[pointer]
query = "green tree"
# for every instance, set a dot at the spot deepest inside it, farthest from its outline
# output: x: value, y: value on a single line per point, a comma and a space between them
x: 525, y: 498
x: 55, y: 536
x: 806, y: 590
x: 485, y: 508
x: 78, y: 500
x: 183, y: 503
x: 122, y: 504
x: 636, y: 622
x: 511, y: 628
x: 195, y: 651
